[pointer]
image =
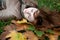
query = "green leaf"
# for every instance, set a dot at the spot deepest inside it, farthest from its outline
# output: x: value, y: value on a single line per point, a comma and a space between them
x: 50, y: 31
x: 31, y: 27
x: 39, y: 33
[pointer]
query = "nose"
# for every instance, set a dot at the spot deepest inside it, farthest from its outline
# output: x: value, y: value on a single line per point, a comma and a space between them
x: 2, y: 4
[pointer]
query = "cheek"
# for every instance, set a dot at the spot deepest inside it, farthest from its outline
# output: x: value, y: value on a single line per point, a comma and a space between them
x: 26, y: 15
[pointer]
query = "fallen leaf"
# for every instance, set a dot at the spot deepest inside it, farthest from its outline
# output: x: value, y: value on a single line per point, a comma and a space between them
x: 31, y: 28
x: 16, y: 36
x: 22, y: 21
x: 39, y: 33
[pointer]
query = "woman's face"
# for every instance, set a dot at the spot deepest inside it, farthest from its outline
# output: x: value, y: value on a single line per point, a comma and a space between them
x: 29, y: 13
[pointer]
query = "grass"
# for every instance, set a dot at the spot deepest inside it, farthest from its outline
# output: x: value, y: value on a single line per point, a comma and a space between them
x: 4, y: 23
x: 51, y: 4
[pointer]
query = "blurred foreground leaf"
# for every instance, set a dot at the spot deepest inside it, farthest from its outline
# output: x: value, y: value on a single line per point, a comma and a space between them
x: 39, y: 33
x: 50, y: 31
x: 22, y: 21
x: 31, y: 28
x: 16, y: 36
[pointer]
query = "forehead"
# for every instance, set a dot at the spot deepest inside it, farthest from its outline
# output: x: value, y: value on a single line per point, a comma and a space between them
x: 30, y: 10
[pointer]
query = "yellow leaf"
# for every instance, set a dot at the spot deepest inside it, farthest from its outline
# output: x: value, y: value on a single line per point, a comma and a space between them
x: 23, y: 21
x: 53, y: 37
x: 16, y: 36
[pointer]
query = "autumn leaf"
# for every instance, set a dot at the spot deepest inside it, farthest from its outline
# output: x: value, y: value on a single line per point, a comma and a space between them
x: 50, y: 31
x: 53, y: 37
x: 16, y: 36
x: 22, y: 21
